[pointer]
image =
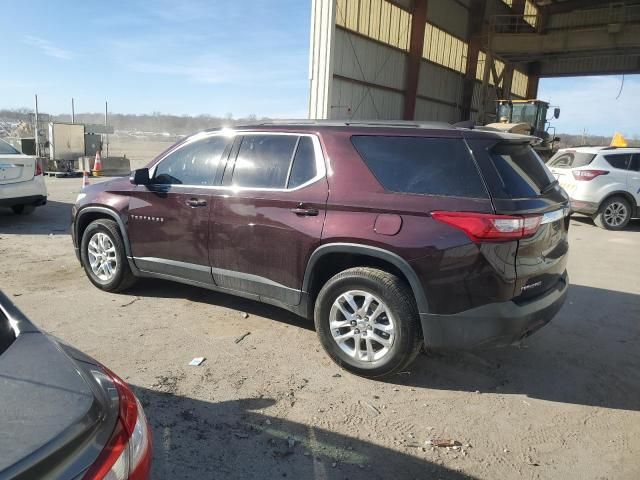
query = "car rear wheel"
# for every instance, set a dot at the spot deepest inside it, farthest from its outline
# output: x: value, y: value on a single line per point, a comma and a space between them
x: 367, y: 322
x: 104, y: 258
x: 613, y: 214
x: 23, y: 209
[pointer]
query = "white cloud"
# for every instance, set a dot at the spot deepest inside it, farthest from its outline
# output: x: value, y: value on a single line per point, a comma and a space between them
x: 590, y: 103
x: 48, y: 48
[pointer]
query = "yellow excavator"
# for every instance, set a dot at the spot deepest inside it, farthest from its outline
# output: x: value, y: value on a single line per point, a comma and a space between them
x: 528, y: 117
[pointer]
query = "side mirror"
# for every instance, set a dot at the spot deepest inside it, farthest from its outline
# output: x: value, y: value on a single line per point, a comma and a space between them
x: 140, y: 177
x: 556, y: 113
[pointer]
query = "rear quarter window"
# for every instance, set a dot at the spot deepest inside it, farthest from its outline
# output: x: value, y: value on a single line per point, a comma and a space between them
x: 511, y: 171
x: 571, y: 159
x: 421, y: 165
x: 6, y: 149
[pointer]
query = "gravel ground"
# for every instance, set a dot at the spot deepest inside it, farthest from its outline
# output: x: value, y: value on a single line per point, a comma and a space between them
x: 565, y: 405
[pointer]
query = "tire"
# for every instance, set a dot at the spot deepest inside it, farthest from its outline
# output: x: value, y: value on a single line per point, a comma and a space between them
x: 23, y: 209
x: 614, y: 214
x: 116, y: 275
x: 390, y: 293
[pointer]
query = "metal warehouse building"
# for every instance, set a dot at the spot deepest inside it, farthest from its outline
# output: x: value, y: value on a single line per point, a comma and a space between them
x: 449, y: 60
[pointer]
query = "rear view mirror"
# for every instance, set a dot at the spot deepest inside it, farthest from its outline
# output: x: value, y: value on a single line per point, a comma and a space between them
x: 556, y: 113
x: 140, y: 177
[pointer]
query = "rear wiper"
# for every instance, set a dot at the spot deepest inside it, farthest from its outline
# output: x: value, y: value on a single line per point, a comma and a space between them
x: 549, y: 187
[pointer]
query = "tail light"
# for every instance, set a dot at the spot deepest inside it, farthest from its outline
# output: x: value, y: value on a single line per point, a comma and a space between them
x: 38, y: 168
x: 586, y: 175
x: 481, y: 227
x: 127, y: 455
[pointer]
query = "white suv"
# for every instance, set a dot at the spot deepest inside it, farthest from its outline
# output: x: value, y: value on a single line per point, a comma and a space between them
x: 22, y: 186
x: 603, y: 182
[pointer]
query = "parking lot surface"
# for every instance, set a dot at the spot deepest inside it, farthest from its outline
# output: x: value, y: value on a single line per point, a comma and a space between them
x: 271, y: 404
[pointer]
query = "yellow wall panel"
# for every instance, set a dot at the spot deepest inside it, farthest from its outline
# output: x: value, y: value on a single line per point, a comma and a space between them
x: 385, y: 20
x: 363, y: 21
x: 444, y: 49
x: 519, y: 83
x: 377, y: 19
x: 341, y: 11
x: 531, y: 13
x: 374, y: 25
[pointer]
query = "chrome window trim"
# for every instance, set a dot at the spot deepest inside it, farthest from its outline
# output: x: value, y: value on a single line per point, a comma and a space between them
x: 321, y: 168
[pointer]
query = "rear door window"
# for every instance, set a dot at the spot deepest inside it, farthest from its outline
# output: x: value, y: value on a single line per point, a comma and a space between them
x: 304, y: 163
x: 635, y: 163
x: 421, y: 165
x: 571, y: 159
x: 263, y: 161
x: 195, y: 163
x: 619, y: 161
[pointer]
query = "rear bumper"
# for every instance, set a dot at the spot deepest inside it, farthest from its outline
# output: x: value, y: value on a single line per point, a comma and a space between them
x: 493, y: 325
x: 36, y: 200
x: 587, y: 208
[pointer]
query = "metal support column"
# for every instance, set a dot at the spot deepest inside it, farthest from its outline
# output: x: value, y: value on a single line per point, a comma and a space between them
x: 476, y: 20
x: 418, y: 25
x: 534, y: 79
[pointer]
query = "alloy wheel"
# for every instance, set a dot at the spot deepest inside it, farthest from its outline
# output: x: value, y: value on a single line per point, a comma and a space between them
x: 362, y: 325
x: 615, y: 214
x: 102, y: 256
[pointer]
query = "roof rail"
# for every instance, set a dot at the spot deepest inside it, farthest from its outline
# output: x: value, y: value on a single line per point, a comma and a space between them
x: 347, y: 123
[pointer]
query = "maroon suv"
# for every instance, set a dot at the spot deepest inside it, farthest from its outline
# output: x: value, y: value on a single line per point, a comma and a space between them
x: 387, y: 235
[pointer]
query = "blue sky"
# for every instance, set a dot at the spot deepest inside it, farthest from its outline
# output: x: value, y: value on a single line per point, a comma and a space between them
x: 216, y: 57
x: 590, y: 103
x: 186, y: 57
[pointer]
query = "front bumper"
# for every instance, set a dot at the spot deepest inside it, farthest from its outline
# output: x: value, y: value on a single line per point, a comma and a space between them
x: 36, y: 200
x: 493, y: 325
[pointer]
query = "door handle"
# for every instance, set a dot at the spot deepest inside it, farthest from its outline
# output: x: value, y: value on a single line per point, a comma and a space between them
x: 301, y: 210
x: 196, y: 202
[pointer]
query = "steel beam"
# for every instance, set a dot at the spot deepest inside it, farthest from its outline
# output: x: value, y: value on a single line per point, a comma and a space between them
x: 534, y: 80
x: 567, y: 43
x: 474, y: 28
x: 418, y: 25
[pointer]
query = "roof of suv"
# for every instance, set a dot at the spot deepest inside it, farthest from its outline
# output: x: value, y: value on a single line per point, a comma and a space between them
x: 388, y: 125
x: 601, y: 149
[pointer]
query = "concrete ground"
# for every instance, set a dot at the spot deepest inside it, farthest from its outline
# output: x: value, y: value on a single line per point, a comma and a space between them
x: 273, y: 405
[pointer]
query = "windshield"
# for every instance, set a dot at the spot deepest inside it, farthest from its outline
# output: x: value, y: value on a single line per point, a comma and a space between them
x: 524, y: 113
x: 6, y: 149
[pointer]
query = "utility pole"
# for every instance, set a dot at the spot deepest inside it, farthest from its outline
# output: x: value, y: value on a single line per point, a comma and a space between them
x: 35, y: 130
x: 106, y: 120
x: 73, y: 112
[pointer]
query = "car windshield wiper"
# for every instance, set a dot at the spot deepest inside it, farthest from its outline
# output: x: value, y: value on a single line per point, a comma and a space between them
x: 549, y: 187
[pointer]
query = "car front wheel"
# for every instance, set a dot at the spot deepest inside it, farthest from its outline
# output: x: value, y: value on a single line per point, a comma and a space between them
x: 104, y: 258
x: 367, y: 322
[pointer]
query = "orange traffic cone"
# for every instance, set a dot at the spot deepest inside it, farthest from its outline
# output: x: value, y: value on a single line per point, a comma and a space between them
x: 97, y: 166
x: 85, y: 179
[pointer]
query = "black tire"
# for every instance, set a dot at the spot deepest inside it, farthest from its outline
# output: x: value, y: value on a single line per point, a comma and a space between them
x: 122, y: 277
x: 614, y: 214
x: 23, y: 209
x: 398, y: 298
